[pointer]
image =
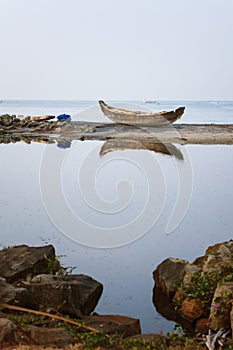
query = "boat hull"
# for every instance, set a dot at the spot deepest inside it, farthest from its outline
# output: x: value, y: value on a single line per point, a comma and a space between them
x: 124, y: 116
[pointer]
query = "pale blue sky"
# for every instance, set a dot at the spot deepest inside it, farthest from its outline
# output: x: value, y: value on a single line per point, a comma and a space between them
x: 125, y: 49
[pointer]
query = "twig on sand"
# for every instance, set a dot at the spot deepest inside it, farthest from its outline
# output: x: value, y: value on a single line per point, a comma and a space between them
x: 60, y: 318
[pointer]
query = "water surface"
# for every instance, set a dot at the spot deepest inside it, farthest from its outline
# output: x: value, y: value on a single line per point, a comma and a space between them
x: 108, y: 195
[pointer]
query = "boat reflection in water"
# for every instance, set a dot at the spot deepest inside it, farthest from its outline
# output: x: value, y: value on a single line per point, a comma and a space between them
x: 157, y: 147
x: 108, y: 146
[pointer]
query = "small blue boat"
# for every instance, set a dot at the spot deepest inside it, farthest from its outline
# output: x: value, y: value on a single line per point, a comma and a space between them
x: 64, y: 118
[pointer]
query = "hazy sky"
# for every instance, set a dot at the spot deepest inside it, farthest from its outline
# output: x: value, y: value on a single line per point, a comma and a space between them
x: 124, y: 49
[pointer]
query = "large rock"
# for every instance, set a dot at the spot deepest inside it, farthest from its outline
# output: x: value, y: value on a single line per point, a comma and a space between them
x: 218, y: 255
x: 19, y: 261
x: 7, y: 329
x: 12, y: 295
x: 165, y: 307
x: 76, y: 295
x: 114, y: 324
x: 59, y: 337
x: 202, y: 325
x: 231, y: 318
x: 212, y: 268
x: 169, y: 275
x: 221, y: 307
x: 189, y: 271
x: 192, y: 309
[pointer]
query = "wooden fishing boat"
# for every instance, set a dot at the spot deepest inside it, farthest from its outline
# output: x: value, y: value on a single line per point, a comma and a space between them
x: 124, y: 116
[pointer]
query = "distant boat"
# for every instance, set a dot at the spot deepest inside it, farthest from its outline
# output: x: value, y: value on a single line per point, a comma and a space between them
x: 124, y: 116
x: 149, y: 101
x: 1, y: 101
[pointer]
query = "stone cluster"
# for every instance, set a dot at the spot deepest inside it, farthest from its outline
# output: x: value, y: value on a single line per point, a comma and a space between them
x: 12, y: 122
x: 33, y: 279
x: 183, y: 287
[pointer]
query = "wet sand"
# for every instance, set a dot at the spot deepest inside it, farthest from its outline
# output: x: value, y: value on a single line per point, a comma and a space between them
x: 176, y: 133
x: 204, y: 134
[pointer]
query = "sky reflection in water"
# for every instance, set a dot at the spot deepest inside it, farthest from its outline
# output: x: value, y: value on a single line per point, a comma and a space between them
x: 126, y: 271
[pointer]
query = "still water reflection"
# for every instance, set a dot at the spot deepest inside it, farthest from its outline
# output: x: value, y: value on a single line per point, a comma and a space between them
x: 126, y: 270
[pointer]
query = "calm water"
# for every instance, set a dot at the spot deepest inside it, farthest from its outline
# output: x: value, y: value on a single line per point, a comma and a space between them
x: 116, y: 217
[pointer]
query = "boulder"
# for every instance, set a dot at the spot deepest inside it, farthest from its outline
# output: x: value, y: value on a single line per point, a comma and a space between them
x: 169, y: 275
x: 156, y: 337
x: 192, y: 309
x: 218, y: 255
x: 231, y: 318
x: 174, y: 278
x: 7, y: 329
x: 10, y: 294
x: 221, y: 307
x: 75, y: 295
x: 114, y: 324
x: 202, y: 325
x: 189, y: 271
x: 165, y: 307
x: 19, y: 261
x: 59, y: 337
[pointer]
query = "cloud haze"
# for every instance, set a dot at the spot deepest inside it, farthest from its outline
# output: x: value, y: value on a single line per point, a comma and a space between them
x: 131, y: 49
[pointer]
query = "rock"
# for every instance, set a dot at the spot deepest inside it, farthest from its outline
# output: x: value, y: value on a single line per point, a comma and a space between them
x: 202, y: 325
x: 189, y: 271
x: 113, y: 347
x: 59, y: 337
x: 221, y: 307
x: 7, y: 329
x: 175, y: 278
x: 6, y: 119
x: 219, y: 247
x: 157, y: 337
x: 169, y: 275
x: 114, y: 324
x: 231, y: 318
x: 192, y: 309
x: 39, y: 123
x: 165, y: 307
x: 218, y: 255
x: 75, y: 295
x: 19, y: 261
x: 10, y: 294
